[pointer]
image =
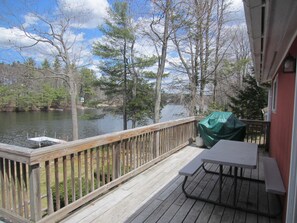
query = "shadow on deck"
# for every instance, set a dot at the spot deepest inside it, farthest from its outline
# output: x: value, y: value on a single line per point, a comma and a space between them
x: 156, y: 196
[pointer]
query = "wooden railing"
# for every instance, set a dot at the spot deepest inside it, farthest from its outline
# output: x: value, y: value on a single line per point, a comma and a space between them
x: 257, y: 131
x: 44, y: 185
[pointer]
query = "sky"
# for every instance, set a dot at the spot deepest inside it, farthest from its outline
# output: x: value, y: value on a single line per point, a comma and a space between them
x: 84, y: 29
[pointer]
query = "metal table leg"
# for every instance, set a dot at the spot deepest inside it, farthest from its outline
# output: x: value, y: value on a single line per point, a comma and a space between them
x: 220, y: 182
x: 235, y: 185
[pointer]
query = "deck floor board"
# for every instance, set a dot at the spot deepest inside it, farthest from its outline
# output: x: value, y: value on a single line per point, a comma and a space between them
x: 156, y: 196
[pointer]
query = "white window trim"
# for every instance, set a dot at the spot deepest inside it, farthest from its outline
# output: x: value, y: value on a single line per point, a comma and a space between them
x: 274, y: 94
x: 291, y: 215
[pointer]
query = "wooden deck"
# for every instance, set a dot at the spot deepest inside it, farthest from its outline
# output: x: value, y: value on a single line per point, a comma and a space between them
x: 156, y: 196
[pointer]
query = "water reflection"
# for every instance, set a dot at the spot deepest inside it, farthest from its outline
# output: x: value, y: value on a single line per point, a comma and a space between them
x: 16, y: 126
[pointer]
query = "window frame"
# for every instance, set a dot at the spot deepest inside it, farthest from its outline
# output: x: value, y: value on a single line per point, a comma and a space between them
x: 274, y: 94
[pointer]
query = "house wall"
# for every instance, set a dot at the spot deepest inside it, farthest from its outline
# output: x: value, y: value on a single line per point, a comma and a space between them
x: 282, y: 119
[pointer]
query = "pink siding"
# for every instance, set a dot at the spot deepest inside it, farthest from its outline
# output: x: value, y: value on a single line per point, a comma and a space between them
x: 282, y: 119
x: 281, y: 124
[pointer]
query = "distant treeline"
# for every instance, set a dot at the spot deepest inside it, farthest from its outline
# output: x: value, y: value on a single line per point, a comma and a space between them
x: 26, y: 87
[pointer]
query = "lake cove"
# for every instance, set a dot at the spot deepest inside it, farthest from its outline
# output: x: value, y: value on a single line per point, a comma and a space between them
x: 15, y: 127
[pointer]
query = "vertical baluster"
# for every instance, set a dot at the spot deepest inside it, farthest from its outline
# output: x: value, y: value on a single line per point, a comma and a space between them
x: 86, y: 172
x: 260, y: 131
x: 123, y: 150
x: 170, y: 139
x: 79, y: 173
x: 127, y: 155
x: 50, y: 208
x: 98, y: 166
x: 114, y: 167
x: 56, y: 163
x: 145, y: 147
x: 165, y: 138
x: 118, y: 160
x: 137, y: 151
x: 103, y: 165
x: 65, y: 180
x: 140, y: 150
x: 152, y: 135
x: 92, y: 169
x: 7, y: 181
x: 185, y: 137
x: 156, y: 144
x: 163, y: 141
x: 13, y: 189
x: 131, y: 154
x: 108, y: 163
x: 134, y: 152
x: 19, y: 188
x: 3, y: 185
x: 72, y: 160
x: 25, y: 190
x: 148, y: 146
x: 160, y: 142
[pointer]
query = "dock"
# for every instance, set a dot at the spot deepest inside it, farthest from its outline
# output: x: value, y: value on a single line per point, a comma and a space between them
x: 44, y: 140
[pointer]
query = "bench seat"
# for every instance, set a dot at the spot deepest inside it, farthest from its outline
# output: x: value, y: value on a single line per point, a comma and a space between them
x: 191, y: 168
x: 273, y: 180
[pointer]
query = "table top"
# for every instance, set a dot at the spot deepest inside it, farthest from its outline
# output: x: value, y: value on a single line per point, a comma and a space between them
x: 233, y: 153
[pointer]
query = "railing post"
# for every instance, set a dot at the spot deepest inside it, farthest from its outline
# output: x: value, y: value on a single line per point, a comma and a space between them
x: 267, y: 136
x: 195, y: 129
x: 35, y: 198
x: 2, y: 178
x: 156, y: 146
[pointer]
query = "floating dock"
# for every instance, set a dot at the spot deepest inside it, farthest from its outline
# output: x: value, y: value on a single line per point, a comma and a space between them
x: 44, y: 140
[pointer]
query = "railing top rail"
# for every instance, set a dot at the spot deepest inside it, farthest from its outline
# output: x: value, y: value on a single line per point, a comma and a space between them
x: 254, y: 121
x: 17, y: 153
x: 64, y: 149
x: 33, y: 156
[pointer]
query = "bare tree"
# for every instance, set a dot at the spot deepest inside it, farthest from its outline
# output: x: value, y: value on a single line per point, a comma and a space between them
x: 54, y: 33
x: 201, y: 46
x: 192, y: 40
x: 241, y: 49
x: 161, y: 17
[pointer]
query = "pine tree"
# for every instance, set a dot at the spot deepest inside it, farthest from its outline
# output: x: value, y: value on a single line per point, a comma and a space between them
x: 249, y: 101
x: 122, y: 65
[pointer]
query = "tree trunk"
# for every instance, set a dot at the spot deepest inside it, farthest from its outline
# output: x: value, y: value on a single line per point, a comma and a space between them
x: 162, y: 61
x: 220, y: 14
x: 125, y: 119
x: 135, y: 82
x: 73, y: 94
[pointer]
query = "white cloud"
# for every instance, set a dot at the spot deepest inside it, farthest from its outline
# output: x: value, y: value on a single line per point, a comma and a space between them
x: 88, y: 13
x: 237, y: 4
x: 30, y: 19
x: 13, y: 37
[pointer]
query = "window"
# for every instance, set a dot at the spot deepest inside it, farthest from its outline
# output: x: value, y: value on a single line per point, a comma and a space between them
x: 274, y: 94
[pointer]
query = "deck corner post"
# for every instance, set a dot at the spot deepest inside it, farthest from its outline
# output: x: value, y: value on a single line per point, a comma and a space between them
x: 35, y: 198
x: 268, y: 137
x: 195, y: 128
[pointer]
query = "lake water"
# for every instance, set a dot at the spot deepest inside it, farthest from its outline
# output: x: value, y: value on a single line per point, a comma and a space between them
x: 15, y: 127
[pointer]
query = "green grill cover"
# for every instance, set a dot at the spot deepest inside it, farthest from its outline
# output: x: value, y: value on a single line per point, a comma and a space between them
x: 221, y: 125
